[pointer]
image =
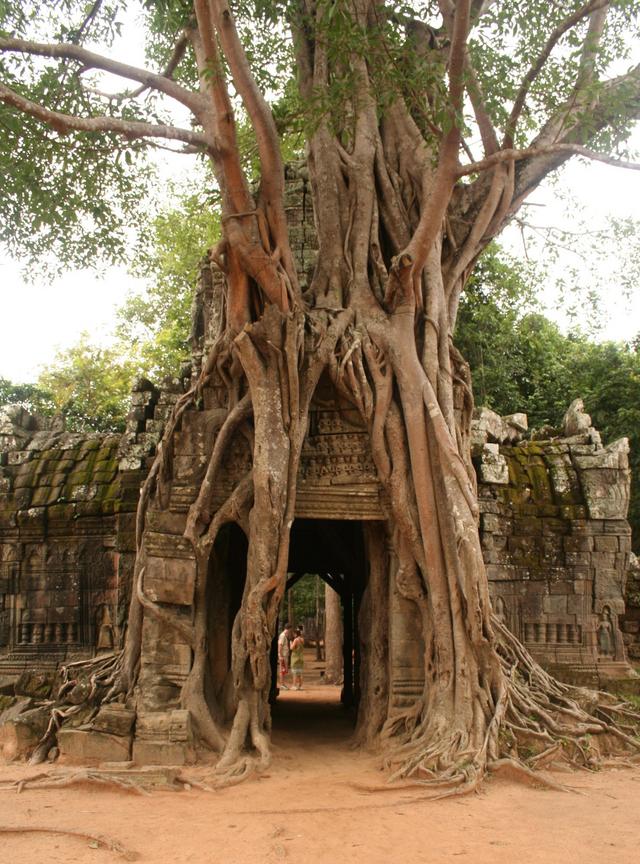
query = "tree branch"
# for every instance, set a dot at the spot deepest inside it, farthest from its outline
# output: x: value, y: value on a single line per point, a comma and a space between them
x: 90, y: 59
x: 438, y: 197
x: 272, y: 169
x: 91, y: 14
x: 573, y: 124
x: 591, y: 44
x: 65, y: 123
x: 174, y: 61
x: 218, y: 117
x: 512, y: 155
x: 486, y: 127
x: 535, y: 69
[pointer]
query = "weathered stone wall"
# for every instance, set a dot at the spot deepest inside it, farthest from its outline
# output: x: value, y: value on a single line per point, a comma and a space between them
x: 67, y: 531
x: 631, y: 622
x: 556, y: 542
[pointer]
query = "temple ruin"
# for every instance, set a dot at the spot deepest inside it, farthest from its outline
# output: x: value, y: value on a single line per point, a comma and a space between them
x: 553, y: 525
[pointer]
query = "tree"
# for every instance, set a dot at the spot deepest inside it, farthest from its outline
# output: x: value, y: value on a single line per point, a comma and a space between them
x: 390, y: 96
x: 333, y: 636
x: 31, y: 397
x: 520, y: 361
x: 154, y: 327
x: 90, y: 386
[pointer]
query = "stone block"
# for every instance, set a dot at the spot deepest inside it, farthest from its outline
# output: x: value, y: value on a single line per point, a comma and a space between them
x: 555, y: 604
x: 608, y: 584
x: 158, y: 753
x: 486, y: 426
x: 79, y: 745
x: 627, y: 626
x: 173, y: 658
x: 580, y: 543
x: 18, y: 457
x: 532, y: 607
x: 575, y: 604
x: 624, y: 543
x: 495, y: 556
x: 115, y: 719
x: 494, y: 541
x: 35, y: 684
x: 18, y: 707
x: 17, y: 740
x: 499, y: 573
x: 491, y: 523
x: 616, y: 526
x: 554, y: 526
x: 578, y: 559
x: 527, y: 527
x: 603, y: 560
x: 172, y: 726
x: 170, y: 580
x: 20, y: 734
x: 606, y: 543
x: 494, y: 469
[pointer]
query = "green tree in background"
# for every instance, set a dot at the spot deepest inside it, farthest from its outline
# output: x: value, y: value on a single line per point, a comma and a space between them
x: 89, y: 386
x: 521, y: 361
x: 32, y: 398
x: 153, y: 328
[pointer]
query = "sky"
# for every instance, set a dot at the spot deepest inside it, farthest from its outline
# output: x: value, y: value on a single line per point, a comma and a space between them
x: 40, y: 316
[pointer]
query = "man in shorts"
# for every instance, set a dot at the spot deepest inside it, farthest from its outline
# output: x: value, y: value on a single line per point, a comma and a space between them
x: 284, y: 654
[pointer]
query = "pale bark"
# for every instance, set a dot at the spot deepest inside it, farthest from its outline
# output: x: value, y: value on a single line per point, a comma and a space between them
x: 332, y: 636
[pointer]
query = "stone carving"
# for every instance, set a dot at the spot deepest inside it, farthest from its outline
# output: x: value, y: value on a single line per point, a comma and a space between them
x: 105, y: 639
x: 576, y: 421
x: 606, y: 645
x: 487, y: 427
x: 606, y: 480
x: 500, y: 611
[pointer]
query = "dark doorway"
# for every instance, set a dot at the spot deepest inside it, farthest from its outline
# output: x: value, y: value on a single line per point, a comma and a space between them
x: 225, y: 586
x: 335, y: 550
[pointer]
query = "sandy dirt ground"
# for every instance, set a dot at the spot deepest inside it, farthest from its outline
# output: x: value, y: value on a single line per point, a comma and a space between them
x: 309, y: 808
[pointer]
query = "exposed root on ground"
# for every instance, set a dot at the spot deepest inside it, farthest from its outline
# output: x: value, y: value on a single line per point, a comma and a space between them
x: 139, y: 781
x: 535, y: 722
x: 99, y: 839
x: 82, y: 776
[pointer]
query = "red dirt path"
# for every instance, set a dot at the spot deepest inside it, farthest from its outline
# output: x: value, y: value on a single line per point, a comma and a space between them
x: 308, y: 810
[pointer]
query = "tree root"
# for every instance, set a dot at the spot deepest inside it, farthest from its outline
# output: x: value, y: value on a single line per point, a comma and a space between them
x: 235, y: 765
x: 100, y: 839
x: 516, y: 770
x: 535, y: 722
x: 83, y: 776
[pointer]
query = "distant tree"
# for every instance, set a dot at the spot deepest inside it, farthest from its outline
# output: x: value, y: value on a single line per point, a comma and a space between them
x: 607, y: 376
x: 521, y: 361
x: 31, y: 397
x: 153, y: 327
x: 90, y: 386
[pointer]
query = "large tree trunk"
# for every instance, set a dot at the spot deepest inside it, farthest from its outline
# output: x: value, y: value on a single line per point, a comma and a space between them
x: 332, y: 636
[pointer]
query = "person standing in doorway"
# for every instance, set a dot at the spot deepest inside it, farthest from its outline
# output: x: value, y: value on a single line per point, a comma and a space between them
x: 297, y: 659
x: 284, y: 654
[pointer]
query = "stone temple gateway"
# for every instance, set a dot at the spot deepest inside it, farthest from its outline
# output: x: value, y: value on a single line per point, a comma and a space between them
x: 553, y: 525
